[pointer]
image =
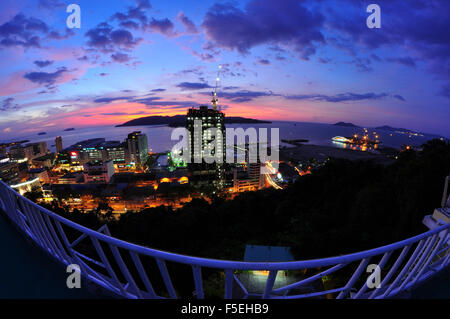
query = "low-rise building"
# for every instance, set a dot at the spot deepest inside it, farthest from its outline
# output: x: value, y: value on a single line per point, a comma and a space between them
x: 98, y: 171
x: 45, y: 161
x: 40, y: 173
x: 71, y: 178
x: 9, y: 172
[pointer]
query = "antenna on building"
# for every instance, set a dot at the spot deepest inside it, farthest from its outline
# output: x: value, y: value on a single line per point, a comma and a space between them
x: 214, y: 93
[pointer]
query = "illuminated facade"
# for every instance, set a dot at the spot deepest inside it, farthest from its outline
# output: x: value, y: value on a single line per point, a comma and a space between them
x: 98, y: 172
x: 9, y: 172
x: 58, y: 144
x: 137, y: 144
x: 205, y: 174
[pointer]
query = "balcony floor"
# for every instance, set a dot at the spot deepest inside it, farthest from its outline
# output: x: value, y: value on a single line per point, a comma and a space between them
x: 438, y: 287
x: 28, y: 273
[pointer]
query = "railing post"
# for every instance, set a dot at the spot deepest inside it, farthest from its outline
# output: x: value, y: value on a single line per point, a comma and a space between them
x: 405, y: 269
x: 166, y: 278
x: 197, y: 271
x: 142, y: 274
x: 354, y: 278
x: 269, y: 283
x: 228, y: 283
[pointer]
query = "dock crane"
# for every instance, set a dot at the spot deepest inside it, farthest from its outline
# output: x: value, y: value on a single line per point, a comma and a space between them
x: 214, y: 93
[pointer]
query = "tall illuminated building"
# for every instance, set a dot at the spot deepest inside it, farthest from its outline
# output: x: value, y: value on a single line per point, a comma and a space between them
x: 205, y: 174
x: 137, y: 145
x: 59, y: 144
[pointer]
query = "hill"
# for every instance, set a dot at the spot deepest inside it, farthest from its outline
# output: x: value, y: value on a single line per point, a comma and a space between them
x: 180, y: 120
x: 345, y: 124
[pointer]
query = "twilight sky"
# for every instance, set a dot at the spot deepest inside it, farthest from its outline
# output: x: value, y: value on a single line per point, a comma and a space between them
x: 301, y: 60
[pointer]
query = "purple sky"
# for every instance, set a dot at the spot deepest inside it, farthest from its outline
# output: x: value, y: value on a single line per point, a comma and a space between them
x: 292, y: 60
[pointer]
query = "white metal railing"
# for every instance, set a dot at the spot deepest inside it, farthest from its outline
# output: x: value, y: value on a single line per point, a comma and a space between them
x: 133, y: 271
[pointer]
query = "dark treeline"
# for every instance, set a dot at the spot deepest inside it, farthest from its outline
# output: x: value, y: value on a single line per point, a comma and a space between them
x: 341, y: 208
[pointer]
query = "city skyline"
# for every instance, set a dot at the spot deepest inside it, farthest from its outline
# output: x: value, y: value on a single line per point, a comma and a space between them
x: 290, y: 60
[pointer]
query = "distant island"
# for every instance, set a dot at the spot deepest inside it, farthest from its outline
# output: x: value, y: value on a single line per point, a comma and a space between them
x: 180, y: 120
x: 69, y: 129
x: 345, y: 124
x: 391, y: 129
x: 42, y: 133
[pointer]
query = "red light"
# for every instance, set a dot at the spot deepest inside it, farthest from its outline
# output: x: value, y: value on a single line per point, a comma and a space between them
x: 73, y: 153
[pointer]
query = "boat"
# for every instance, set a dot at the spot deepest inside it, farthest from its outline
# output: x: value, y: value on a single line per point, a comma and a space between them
x: 356, y: 139
x: 341, y: 139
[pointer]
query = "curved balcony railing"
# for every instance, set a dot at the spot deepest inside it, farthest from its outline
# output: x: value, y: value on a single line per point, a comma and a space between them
x: 133, y: 271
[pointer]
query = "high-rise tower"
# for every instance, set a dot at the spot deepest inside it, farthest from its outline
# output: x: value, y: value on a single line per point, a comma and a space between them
x: 59, y: 144
x: 137, y: 144
x: 204, y: 173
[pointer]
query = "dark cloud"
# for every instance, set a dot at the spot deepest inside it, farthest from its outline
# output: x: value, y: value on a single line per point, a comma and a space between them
x: 22, y: 31
x: 55, y: 35
x: 163, y: 26
x: 120, y: 57
x: 362, y: 64
x: 375, y: 57
x: 158, y: 90
x: 171, y: 104
x: 137, y: 13
x: 247, y: 96
x: 45, y: 78
x: 28, y: 32
x: 143, y: 4
x: 342, y: 97
x: 263, y: 61
x: 193, y: 86
x: 105, y: 39
x: 112, y: 99
x: 8, y: 104
x: 324, y: 60
x: 408, y: 61
x: 207, y: 57
x: 265, y: 22
x: 123, y: 38
x: 187, y: 23
x: 419, y: 26
x: 136, y: 18
x: 43, y: 64
x: 230, y: 88
x: 51, y: 4
x: 83, y: 58
x: 399, y: 97
x: 445, y: 91
x: 244, y: 95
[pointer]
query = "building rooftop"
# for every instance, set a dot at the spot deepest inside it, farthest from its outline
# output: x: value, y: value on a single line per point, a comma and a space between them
x: 90, y: 143
x: 110, y: 144
x: 267, y: 253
